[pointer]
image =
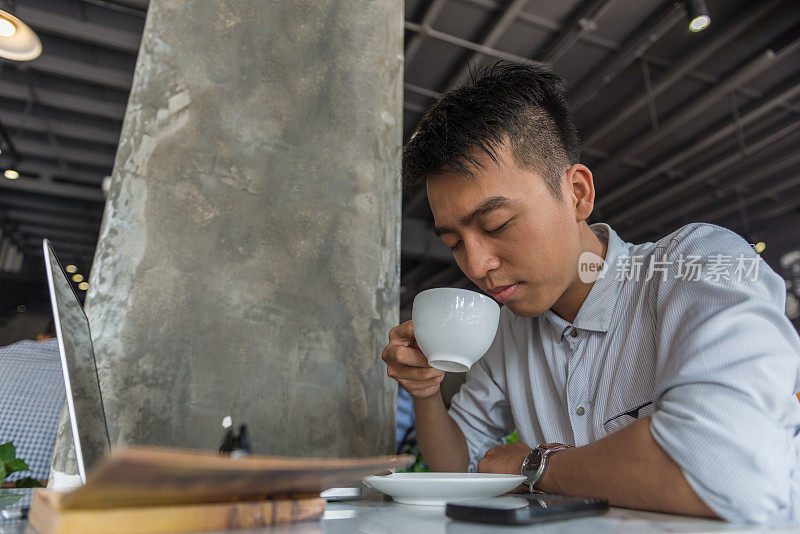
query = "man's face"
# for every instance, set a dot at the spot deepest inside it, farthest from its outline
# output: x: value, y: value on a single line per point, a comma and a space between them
x: 508, y: 233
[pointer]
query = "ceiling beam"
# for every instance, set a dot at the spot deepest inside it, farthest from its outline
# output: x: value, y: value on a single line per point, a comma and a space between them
x: 10, y: 200
x: 78, y: 70
x: 705, y: 140
x: 28, y: 147
x: 136, y: 8
x: 75, y: 29
x: 414, y: 108
x: 61, y: 128
x: 20, y: 216
x: 498, y: 29
x: 415, y: 43
x: 532, y: 19
x: 762, y: 195
x: 667, y: 196
x: 583, y: 21
x: 633, y: 48
x: 64, y: 101
x: 698, y: 203
x: 589, y: 88
x: 141, y: 5
x: 54, y: 189
x: 47, y: 171
x: 602, y: 43
x: 430, y: 93
x: 734, y: 80
x: 678, y: 71
x: 469, y: 45
x: 66, y: 236
x: 788, y: 205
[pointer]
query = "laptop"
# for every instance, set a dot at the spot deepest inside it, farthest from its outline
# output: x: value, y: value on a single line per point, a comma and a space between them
x: 84, y: 400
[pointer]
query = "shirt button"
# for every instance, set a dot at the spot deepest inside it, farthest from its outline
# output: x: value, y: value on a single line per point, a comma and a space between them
x: 574, y: 332
x: 579, y: 410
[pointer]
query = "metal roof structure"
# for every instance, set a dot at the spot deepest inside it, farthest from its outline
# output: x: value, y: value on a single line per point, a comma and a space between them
x: 676, y: 126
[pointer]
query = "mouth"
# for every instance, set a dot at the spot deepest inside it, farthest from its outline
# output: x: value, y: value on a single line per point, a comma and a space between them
x: 503, y: 293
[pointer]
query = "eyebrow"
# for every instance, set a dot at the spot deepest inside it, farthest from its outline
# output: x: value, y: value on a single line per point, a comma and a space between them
x: 487, y: 206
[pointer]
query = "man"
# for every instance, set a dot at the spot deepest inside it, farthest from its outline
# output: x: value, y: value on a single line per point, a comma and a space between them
x: 675, y: 392
x: 31, y: 394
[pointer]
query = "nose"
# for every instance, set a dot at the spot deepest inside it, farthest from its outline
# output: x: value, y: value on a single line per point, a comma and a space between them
x: 479, y: 259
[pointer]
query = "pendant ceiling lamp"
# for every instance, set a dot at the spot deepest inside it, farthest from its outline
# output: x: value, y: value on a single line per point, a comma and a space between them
x: 18, y: 41
x: 699, y: 15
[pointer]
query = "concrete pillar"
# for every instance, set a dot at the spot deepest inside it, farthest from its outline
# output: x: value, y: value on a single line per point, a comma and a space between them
x: 248, y: 262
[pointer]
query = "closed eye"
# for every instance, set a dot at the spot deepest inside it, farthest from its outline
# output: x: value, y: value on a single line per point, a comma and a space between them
x: 499, y: 228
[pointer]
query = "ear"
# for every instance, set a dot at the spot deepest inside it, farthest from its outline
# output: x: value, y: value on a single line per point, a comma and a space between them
x: 580, y: 184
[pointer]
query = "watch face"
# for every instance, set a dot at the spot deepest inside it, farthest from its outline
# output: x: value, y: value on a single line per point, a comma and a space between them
x: 532, y: 463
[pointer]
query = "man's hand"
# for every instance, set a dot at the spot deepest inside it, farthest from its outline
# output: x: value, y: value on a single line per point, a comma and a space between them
x: 504, y: 459
x: 408, y: 365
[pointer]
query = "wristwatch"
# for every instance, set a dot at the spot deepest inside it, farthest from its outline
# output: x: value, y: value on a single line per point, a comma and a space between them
x: 535, y: 463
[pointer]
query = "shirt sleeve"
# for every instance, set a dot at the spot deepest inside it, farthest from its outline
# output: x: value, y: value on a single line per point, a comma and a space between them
x: 481, y: 408
x: 728, y: 362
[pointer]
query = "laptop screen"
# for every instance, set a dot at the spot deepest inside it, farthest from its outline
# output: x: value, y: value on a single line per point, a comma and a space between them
x: 87, y: 417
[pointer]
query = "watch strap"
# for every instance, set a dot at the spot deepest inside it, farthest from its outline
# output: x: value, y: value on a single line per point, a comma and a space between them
x: 543, y: 450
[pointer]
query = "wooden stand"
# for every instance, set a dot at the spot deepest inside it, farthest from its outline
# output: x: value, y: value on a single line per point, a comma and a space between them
x: 142, y: 490
x: 48, y: 516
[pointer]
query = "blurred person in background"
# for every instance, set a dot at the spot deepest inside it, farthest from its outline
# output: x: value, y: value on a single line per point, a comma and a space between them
x: 31, y: 394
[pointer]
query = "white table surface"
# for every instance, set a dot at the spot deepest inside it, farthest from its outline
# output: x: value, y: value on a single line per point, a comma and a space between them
x: 376, y: 515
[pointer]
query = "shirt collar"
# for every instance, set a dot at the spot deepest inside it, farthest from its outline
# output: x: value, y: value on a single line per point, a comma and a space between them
x: 596, y: 311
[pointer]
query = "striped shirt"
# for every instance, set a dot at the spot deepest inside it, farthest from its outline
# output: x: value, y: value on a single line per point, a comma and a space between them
x: 677, y: 330
x: 31, y: 394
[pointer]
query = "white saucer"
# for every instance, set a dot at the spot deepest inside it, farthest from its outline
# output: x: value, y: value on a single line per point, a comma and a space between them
x: 441, y: 488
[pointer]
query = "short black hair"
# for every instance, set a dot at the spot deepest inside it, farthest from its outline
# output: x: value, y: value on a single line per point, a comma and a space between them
x: 523, y: 104
x: 50, y: 329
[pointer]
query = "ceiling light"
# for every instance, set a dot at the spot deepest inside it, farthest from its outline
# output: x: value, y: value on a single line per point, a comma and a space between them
x: 83, y: 286
x: 17, y: 41
x: 77, y: 277
x: 700, y: 23
x: 699, y: 15
x: 71, y: 269
x: 7, y: 27
x: 11, y: 174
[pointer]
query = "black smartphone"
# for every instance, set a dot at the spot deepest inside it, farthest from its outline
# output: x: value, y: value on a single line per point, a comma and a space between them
x: 525, y: 509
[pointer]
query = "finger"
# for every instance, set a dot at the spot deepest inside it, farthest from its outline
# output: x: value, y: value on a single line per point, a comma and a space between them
x: 410, y: 357
x: 403, y: 355
x: 403, y: 333
x: 404, y: 372
x: 388, y: 353
x: 419, y: 385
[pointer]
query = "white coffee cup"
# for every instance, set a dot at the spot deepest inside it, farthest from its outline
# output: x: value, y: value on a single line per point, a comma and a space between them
x: 454, y: 327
